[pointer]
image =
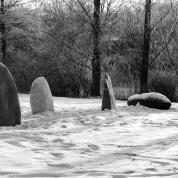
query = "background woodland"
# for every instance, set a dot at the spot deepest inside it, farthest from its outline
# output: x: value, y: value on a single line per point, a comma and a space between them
x: 58, y: 39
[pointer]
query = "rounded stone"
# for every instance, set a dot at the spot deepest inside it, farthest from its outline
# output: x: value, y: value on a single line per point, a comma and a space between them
x: 10, y: 113
x: 41, y: 99
x: 151, y: 100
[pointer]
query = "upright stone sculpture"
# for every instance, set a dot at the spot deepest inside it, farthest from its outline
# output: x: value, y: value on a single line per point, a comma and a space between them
x: 10, y: 113
x: 108, y: 101
x: 40, y: 96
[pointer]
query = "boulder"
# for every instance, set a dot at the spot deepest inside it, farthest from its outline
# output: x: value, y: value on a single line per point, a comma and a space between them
x: 10, y: 113
x: 151, y: 100
x: 41, y: 99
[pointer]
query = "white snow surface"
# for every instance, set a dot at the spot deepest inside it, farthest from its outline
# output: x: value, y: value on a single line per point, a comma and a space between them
x: 81, y: 141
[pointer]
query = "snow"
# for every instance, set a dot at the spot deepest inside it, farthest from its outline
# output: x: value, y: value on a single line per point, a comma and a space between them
x: 81, y: 141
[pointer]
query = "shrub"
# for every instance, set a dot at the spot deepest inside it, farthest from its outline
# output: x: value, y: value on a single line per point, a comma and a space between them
x: 164, y: 83
x: 123, y: 93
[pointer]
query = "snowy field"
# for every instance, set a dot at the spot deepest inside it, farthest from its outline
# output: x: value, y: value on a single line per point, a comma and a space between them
x: 80, y: 141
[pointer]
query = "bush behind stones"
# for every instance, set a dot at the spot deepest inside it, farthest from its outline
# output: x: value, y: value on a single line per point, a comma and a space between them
x: 164, y: 83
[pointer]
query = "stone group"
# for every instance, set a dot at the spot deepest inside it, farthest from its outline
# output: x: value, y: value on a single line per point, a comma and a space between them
x: 41, y: 99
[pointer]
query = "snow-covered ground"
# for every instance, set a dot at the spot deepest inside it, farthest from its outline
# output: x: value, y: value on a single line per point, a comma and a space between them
x: 80, y: 141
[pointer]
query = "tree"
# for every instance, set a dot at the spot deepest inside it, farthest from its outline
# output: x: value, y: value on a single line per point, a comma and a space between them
x: 96, y: 59
x: 7, y: 8
x: 3, y: 31
x: 68, y: 35
x: 146, y: 49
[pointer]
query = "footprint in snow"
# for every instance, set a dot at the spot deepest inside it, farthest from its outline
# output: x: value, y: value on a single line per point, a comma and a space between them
x: 57, y: 140
x: 68, y: 146
x: 118, y: 176
x: 58, y: 155
x: 151, y: 169
x: 94, y: 147
x: 129, y: 172
x: 61, y: 166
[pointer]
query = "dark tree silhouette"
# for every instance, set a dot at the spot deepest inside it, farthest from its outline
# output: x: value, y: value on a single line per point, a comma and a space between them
x: 146, y: 49
x: 96, y: 60
x: 3, y: 31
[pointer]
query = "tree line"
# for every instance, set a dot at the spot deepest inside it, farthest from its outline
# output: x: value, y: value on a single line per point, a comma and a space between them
x: 73, y: 42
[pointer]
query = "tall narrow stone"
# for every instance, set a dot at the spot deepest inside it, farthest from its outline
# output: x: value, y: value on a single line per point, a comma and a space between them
x: 10, y: 113
x: 40, y: 96
x: 108, y: 101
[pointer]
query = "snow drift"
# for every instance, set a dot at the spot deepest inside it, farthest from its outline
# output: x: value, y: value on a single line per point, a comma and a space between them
x: 81, y: 141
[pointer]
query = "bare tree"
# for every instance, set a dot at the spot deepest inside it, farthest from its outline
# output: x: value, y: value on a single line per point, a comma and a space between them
x: 104, y: 17
x: 5, y: 7
x: 96, y: 60
x: 3, y: 31
x: 146, y: 49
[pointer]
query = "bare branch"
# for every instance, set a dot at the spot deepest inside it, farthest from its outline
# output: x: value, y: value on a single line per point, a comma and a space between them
x: 86, y: 12
x: 160, y: 20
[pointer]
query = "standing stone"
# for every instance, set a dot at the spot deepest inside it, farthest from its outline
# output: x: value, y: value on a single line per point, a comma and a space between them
x: 108, y: 101
x: 40, y: 96
x: 10, y: 113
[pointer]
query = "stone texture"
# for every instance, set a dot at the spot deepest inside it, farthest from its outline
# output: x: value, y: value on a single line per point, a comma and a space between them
x: 10, y: 113
x: 151, y: 100
x: 108, y: 101
x: 40, y: 96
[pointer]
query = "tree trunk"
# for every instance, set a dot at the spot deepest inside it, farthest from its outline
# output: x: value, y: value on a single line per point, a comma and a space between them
x: 3, y: 32
x: 146, y: 49
x: 96, y: 59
